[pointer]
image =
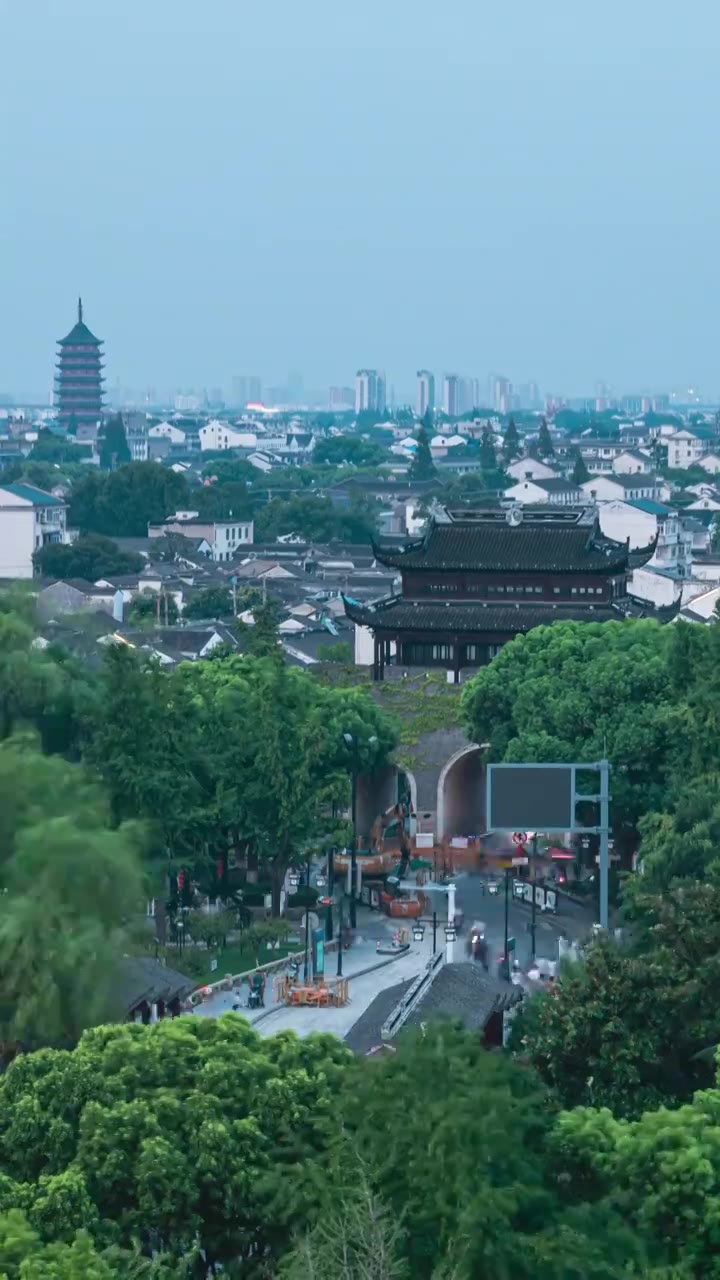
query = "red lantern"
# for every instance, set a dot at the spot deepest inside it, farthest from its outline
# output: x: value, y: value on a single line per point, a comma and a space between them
x: 220, y: 868
x: 181, y: 880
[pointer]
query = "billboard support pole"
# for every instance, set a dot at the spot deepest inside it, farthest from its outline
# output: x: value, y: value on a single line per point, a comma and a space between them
x: 604, y: 840
x: 506, y: 957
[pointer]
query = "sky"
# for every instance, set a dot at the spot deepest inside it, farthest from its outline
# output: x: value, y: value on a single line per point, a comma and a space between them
x: 250, y: 188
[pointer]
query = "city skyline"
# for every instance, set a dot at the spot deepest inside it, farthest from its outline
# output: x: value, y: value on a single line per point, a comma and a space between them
x: 519, y: 192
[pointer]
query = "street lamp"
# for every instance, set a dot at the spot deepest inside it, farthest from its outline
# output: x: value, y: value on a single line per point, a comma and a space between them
x: 450, y: 933
x: 321, y: 881
x: 293, y: 879
x: 352, y: 742
x: 418, y: 931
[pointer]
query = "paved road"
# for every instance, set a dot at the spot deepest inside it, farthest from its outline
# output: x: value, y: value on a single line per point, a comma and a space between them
x: 571, y: 921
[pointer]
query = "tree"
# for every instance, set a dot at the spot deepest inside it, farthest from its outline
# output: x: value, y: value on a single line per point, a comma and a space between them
x: 123, y: 502
x: 359, y: 1239
x: 580, y: 472
x: 340, y: 652
x: 261, y: 638
x: 627, y: 1028
x: 661, y: 1171
x: 544, y: 442
x: 68, y: 882
x: 50, y: 447
x: 90, y: 556
x: 149, y: 608
x: 488, y: 457
x: 348, y: 450
x: 229, y: 471
x: 579, y: 690
x: 464, y: 1171
x: 422, y: 466
x: 212, y: 602
x: 511, y: 442
x: 164, y: 1148
x: 112, y: 444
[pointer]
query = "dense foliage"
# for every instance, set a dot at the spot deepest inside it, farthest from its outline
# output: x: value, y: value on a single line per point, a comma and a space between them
x: 91, y: 557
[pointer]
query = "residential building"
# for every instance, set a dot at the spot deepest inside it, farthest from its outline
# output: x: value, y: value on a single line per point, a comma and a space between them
x: 478, y: 578
x: 688, y: 445
x: 246, y: 390
x: 599, y: 455
x: 632, y: 462
x: 30, y: 519
x: 168, y: 431
x: 644, y: 522
x: 606, y: 487
x: 710, y: 463
x: 530, y: 469
x: 224, y: 537
x: 216, y: 435
x: 555, y: 491
x: 342, y: 399
x: 369, y: 391
x: 425, y: 396
x: 452, y: 399
x: 79, y: 379
x: 136, y: 434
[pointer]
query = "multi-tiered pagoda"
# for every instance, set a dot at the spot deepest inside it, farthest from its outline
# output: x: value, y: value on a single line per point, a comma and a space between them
x: 79, y: 379
x: 479, y: 578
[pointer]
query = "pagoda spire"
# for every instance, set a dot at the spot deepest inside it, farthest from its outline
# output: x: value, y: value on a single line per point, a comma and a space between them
x: 80, y: 319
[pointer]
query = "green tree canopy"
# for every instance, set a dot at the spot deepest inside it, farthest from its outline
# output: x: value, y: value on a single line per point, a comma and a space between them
x: 112, y: 444
x: 488, y: 456
x: 91, y: 557
x: 511, y: 442
x: 212, y: 602
x: 544, y: 446
x: 580, y: 472
x: 149, y: 608
x: 68, y: 881
x: 188, y: 1132
x: 422, y: 466
x: 350, y: 450
x: 122, y: 503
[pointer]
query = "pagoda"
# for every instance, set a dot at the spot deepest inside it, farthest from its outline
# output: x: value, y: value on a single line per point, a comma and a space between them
x: 479, y: 578
x: 79, y: 379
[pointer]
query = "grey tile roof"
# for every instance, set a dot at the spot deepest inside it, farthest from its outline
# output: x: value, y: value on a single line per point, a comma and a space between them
x: 364, y: 1036
x: 466, y: 992
x: 404, y: 615
x: 560, y: 544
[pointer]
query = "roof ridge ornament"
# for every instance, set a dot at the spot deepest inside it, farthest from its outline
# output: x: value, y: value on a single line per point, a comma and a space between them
x: 514, y: 516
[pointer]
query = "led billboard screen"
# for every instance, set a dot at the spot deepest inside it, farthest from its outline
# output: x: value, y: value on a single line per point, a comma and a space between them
x: 530, y: 797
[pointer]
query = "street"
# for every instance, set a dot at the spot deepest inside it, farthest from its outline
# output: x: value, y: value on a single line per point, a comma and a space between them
x: 570, y: 922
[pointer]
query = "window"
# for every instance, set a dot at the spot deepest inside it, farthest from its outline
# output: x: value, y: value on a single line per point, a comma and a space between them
x: 538, y: 591
x: 573, y: 591
x: 227, y: 535
x: 556, y: 591
x: 582, y: 591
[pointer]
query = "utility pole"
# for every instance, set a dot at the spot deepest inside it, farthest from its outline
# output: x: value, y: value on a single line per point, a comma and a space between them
x: 353, y: 851
x: 506, y: 957
x: 604, y: 841
x: 533, y: 904
x: 340, y: 940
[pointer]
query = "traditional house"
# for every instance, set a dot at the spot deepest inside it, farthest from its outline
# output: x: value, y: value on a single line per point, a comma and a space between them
x: 479, y: 578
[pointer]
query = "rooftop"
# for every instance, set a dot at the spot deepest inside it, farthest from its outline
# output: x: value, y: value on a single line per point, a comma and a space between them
x: 395, y: 613
x: 31, y: 493
x: 542, y: 538
x: 464, y: 992
x: 80, y: 335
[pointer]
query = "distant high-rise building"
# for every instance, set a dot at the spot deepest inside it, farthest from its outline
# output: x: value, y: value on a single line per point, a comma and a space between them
x: 342, y: 398
x: 500, y: 389
x: 452, y: 395
x: 369, y: 391
x: 470, y: 398
x: 425, y: 396
x: 79, y: 379
x: 246, y: 390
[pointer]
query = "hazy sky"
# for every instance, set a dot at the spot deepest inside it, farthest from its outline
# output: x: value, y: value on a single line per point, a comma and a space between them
x: 254, y: 186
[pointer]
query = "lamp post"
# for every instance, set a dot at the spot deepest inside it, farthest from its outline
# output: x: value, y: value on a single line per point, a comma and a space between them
x: 340, y: 939
x: 330, y: 892
x: 533, y: 904
x: 418, y: 930
x: 352, y: 743
x: 306, y: 965
x: 506, y: 957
